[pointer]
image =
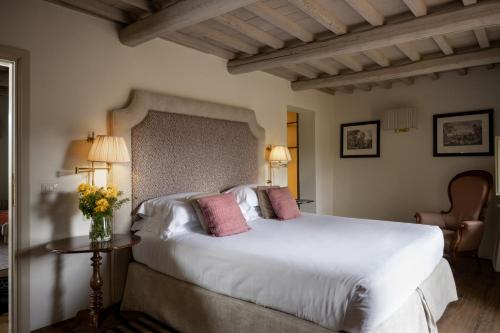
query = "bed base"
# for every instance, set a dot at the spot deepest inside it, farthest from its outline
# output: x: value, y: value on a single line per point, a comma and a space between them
x: 190, y: 308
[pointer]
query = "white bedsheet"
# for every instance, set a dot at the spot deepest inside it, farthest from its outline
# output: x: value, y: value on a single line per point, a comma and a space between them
x: 341, y: 273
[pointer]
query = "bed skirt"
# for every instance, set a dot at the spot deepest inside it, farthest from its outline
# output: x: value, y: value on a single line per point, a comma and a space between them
x: 191, y: 309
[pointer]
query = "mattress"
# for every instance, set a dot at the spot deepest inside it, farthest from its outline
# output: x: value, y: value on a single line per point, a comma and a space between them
x: 341, y: 273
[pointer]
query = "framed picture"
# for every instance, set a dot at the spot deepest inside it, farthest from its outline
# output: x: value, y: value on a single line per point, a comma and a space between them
x: 360, y: 139
x: 464, y: 133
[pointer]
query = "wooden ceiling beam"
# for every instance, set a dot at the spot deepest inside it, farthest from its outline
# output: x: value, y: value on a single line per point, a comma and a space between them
x: 180, y: 15
x: 409, y: 50
x: 160, y: 4
x: 365, y: 9
x: 364, y: 87
x: 408, y: 81
x: 324, y: 16
x: 433, y: 76
x: 249, y: 30
x: 482, y: 38
x: 424, y: 67
x: 417, y: 7
x: 378, y: 57
x: 328, y: 91
x: 144, y: 5
x: 443, y: 44
x: 385, y: 84
x: 277, y: 19
x: 325, y: 66
x: 349, y: 62
x: 304, y: 71
x: 225, y: 39
x: 198, y: 44
x: 485, y: 13
x: 97, y: 8
x: 346, y: 90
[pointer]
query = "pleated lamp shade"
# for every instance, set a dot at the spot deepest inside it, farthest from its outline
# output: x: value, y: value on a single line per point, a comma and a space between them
x: 280, y: 154
x: 110, y: 149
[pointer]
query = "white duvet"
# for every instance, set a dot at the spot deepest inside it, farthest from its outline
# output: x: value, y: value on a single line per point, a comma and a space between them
x: 341, y: 273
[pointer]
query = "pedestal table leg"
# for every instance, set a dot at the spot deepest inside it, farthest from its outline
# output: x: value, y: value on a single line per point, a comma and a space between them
x: 96, y: 293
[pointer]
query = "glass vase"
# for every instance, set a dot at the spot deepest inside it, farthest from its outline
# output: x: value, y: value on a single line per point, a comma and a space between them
x: 101, y: 229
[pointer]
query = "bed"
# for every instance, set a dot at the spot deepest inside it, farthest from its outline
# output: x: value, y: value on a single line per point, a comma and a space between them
x: 311, y: 274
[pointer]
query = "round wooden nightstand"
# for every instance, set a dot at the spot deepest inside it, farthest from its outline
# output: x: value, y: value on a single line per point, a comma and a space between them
x: 83, y: 245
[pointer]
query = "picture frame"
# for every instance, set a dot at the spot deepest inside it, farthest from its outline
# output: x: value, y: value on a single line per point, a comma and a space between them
x: 468, y: 133
x: 359, y: 140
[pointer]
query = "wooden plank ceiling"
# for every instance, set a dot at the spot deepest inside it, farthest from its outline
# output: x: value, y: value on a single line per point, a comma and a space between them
x: 330, y: 45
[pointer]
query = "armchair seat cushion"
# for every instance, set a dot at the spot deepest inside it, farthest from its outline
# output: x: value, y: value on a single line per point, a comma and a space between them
x: 449, y: 237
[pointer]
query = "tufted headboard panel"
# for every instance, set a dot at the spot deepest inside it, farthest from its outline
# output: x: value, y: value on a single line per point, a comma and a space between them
x: 173, y: 153
x: 184, y: 145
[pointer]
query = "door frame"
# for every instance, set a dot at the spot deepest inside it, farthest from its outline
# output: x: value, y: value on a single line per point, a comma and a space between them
x: 19, y: 188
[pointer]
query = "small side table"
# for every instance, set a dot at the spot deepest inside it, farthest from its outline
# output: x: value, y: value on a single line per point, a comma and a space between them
x: 83, y: 245
x: 303, y: 201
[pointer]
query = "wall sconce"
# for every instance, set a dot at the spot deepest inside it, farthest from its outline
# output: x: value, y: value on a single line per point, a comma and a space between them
x: 279, y: 156
x: 399, y: 120
x: 107, y: 149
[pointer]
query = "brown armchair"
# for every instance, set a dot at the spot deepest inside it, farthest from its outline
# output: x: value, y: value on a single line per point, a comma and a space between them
x: 463, y: 224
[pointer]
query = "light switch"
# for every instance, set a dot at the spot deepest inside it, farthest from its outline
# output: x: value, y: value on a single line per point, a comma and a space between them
x: 49, y: 187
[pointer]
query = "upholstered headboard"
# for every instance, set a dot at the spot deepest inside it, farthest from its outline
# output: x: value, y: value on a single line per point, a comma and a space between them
x: 184, y: 145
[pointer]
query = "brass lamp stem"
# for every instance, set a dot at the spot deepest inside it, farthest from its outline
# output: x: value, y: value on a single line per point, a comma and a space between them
x: 91, y: 171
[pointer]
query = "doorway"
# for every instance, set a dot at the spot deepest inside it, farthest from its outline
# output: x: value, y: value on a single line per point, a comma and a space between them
x: 301, y: 141
x: 292, y: 131
x: 5, y: 109
x: 17, y: 63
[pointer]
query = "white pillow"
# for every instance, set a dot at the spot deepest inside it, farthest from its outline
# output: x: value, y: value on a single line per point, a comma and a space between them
x: 246, y: 197
x: 155, y: 206
x: 146, y: 224
x: 168, y: 215
x: 180, y: 218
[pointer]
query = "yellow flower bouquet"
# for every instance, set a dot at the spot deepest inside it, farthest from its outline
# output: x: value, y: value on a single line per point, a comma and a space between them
x: 98, y: 205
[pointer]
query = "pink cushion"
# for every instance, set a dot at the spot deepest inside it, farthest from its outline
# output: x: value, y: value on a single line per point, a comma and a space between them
x: 222, y: 215
x: 283, y: 203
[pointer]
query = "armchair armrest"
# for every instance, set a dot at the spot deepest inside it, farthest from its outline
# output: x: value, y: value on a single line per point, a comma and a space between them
x: 430, y: 219
x: 470, y: 234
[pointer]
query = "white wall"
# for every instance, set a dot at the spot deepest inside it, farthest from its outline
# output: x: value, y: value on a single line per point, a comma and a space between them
x: 407, y: 178
x: 79, y: 71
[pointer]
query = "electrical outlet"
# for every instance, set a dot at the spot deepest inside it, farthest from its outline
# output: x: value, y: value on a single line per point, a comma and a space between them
x: 49, y: 187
